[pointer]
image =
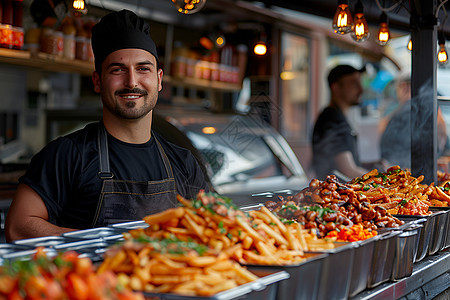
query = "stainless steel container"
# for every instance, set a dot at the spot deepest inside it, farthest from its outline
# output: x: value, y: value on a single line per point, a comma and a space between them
x: 6, y: 249
x: 107, y: 233
x: 446, y: 230
x: 92, y: 248
x: 361, y: 268
x: 47, y: 241
x: 129, y: 225
x: 336, y: 272
x: 405, y: 251
x: 429, y: 240
x: 438, y: 237
x: 263, y: 288
x: 304, y: 279
x: 383, y: 258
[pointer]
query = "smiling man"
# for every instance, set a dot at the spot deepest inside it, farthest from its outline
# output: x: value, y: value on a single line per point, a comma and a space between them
x: 115, y: 170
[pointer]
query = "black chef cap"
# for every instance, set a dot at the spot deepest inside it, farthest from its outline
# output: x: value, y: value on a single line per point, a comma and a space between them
x: 120, y: 30
x: 342, y: 70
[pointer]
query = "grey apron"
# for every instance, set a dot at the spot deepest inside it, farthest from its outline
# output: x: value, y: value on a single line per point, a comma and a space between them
x: 127, y: 200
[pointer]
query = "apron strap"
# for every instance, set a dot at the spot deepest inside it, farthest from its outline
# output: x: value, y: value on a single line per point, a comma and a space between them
x: 103, y: 154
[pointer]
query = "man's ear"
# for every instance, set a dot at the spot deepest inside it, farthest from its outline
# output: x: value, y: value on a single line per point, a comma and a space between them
x: 96, y: 82
x: 160, y: 76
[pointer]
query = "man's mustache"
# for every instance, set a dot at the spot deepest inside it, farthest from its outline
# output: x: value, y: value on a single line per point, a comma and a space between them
x: 132, y: 91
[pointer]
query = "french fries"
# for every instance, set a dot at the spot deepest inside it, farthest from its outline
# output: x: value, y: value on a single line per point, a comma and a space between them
x: 398, y: 186
x: 179, y: 251
x: 258, y: 237
x: 174, y: 266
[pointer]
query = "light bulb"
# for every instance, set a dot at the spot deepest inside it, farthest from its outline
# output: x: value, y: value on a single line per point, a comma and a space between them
x: 260, y: 48
x: 360, y: 30
x: 342, y: 21
x: 189, y: 6
x: 78, y: 4
x: 442, y: 54
x: 409, y: 46
x: 383, y: 32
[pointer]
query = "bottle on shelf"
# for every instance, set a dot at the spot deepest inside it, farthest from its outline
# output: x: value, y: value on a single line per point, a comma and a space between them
x: 69, y: 32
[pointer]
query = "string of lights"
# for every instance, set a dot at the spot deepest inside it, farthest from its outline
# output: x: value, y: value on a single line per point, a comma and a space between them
x: 344, y: 22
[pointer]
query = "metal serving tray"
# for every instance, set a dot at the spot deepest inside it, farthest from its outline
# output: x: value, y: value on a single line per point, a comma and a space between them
x: 383, y: 258
x: 304, y: 279
x: 107, y: 233
x: 129, y: 225
x: 446, y: 238
x: 93, y: 248
x: 360, y: 272
x: 27, y: 254
x: 406, y: 246
x: 429, y: 240
x: 263, y: 288
x: 6, y: 249
x: 336, y: 271
x: 46, y: 241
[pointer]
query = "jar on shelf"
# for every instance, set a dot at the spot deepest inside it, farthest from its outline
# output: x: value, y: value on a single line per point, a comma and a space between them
x: 17, y: 38
x: 33, y: 39
x: 69, y: 32
x: 81, y: 45
x: 58, y: 43
x: 52, y: 42
x: 6, y: 36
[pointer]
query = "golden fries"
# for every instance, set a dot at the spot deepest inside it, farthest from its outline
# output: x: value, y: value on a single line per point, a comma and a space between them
x: 187, y: 272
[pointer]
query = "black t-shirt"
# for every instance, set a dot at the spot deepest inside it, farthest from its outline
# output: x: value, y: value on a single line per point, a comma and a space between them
x: 332, y: 135
x: 64, y: 173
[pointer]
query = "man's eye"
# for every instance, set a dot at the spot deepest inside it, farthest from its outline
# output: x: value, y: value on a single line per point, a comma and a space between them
x: 144, y: 69
x: 116, y: 70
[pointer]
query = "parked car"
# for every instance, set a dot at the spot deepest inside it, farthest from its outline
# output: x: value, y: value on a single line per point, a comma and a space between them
x: 240, y: 154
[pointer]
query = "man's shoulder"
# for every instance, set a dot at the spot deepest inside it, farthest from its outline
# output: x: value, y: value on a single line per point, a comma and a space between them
x: 171, y: 147
x: 78, y: 139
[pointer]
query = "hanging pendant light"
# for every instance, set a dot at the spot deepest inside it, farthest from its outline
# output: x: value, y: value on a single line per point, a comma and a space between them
x: 189, y: 7
x: 79, y: 6
x: 383, y: 32
x: 360, y: 31
x: 343, y: 20
x: 409, y: 45
x: 442, y: 54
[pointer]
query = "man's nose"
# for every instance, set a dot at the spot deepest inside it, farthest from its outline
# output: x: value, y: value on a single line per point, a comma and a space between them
x: 131, y: 80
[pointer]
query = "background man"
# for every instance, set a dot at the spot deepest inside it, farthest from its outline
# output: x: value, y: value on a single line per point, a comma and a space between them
x: 334, y: 140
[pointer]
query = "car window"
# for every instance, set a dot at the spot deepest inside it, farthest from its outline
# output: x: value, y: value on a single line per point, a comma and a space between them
x: 235, y: 158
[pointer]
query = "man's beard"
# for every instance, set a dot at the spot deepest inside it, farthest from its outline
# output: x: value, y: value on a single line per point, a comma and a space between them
x: 130, y: 112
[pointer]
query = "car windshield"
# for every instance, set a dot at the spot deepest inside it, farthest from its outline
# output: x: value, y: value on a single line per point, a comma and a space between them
x: 235, y: 149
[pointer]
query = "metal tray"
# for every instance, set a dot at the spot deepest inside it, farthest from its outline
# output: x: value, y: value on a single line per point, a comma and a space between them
x: 27, y: 254
x: 360, y: 271
x: 107, y: 233
x: 129, y: 225
x: 446, y: 231
x: 46, y: 241
x: 304, y: 279
x: 432, y: 235
x: 93, y: 248
x: 383, y: 258
x: 336, y: 271
x: 6, y: 249
x: 406, y: 246
x: 263, y: 288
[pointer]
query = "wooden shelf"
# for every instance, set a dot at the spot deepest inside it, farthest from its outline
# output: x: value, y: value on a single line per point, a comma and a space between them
x: 54, y: 63
x: 202, y: 84
x: 45, y: 61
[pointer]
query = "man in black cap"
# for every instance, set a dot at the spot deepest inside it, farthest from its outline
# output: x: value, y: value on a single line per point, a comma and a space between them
x: 115, y: 170
x: 334, y: 140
